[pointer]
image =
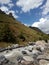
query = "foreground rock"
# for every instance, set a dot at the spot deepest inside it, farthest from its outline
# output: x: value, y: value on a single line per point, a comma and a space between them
x: 25, y: 60
x: 33, y: 54
x: 4, y: 61
x: 43, y: 62
x: 28, y: 58
x: 45, y: 57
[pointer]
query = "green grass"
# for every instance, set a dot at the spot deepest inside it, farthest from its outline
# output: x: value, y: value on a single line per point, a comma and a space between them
x: 4, y: 44
x: 12, y: 31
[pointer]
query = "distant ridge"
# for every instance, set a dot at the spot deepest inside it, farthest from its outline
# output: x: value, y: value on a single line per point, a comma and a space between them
x: 35, y: 28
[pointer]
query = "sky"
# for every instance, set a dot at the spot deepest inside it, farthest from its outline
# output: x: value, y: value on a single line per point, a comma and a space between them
x: 33, y: 13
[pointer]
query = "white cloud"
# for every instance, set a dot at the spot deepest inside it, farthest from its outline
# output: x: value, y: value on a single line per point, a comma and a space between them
x: 10, y: 5
x: 13, y: 13
x: 4, y: 8
x: 26, y: 25
x: 7, y: 11
x: 46, y: 8
x: 26, y: 5
x: 41, y: 21
x: 5, y: 1
x: 15, y: 16
x: 43, y: 24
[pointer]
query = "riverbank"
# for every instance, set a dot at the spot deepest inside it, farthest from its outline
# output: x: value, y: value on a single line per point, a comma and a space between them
x: 32, y: 54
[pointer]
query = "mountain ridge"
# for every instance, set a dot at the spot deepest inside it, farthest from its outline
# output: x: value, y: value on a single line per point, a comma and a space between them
x: 37, y: 29
x: 13, y: 31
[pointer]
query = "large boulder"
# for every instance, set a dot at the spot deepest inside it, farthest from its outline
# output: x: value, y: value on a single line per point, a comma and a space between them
x: 25, y: 60
x: 42, y: 43
x: 43, y: 62
x: 28, y: 58
x: 4, y: 61
x: 46, y: 57
x: 26, y: 63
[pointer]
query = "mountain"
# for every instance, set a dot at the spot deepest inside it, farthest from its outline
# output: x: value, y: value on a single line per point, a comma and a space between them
x: 35, y: 28
x: 13, y: 31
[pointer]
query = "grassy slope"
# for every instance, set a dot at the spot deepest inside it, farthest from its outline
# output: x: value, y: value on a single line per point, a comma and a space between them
x: 21, y: 33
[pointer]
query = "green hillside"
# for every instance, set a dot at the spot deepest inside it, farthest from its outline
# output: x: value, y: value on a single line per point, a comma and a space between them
x: 12, y: 31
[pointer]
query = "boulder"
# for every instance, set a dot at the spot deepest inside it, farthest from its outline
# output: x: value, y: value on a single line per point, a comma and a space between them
x: 23, y: 62
x: 35, y: 51
x: 46, y: 57
x: 19, y: 59
x: 43, y: 62
x: 28, y: 58
x: 41, y: 43
x: 24, y: 52
x: 4, y: 61
x: 29, y: 47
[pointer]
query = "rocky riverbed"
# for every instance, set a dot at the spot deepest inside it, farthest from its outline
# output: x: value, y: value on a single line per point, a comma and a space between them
x: 36, y: 53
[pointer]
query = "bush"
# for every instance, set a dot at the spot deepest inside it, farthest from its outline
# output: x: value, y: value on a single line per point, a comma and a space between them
x: 7, y: 35
x: 21, y: 36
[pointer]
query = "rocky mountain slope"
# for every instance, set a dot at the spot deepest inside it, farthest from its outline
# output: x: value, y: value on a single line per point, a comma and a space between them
x: 13, y: 31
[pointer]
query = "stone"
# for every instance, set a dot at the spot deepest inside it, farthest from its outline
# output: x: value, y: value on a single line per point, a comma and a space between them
x: 28, y: 58
x: 24, y: 52
x: 23, y: 62
x: 19, y: 58
x: 35, y: 51
x: 4, y: 61
x: 41, y: 43
x: 43, y: 57
x: 43, y: 62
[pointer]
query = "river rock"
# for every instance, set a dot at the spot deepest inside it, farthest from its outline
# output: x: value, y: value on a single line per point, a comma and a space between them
x: 43, y: 62
x: 4, y: 61
x: 28, y: 58
x: 43, y: 57
x: 41, y: 43
x: 23, y: 62
x: 24, y: 52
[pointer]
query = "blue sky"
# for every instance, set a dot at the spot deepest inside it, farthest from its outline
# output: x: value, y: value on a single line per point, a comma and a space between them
x: 29, y: 12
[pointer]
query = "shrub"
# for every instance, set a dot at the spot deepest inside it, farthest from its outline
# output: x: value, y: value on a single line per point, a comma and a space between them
x: 7, y: 35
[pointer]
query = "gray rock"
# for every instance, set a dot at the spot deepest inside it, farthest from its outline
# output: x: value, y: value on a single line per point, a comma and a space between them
x: 28, y: 58
x: 23, y: 62
x: 19, y: 58
x: 24, y: 52
x: 4, y: 61
x: 43, y: 62
x: 45, y: 57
